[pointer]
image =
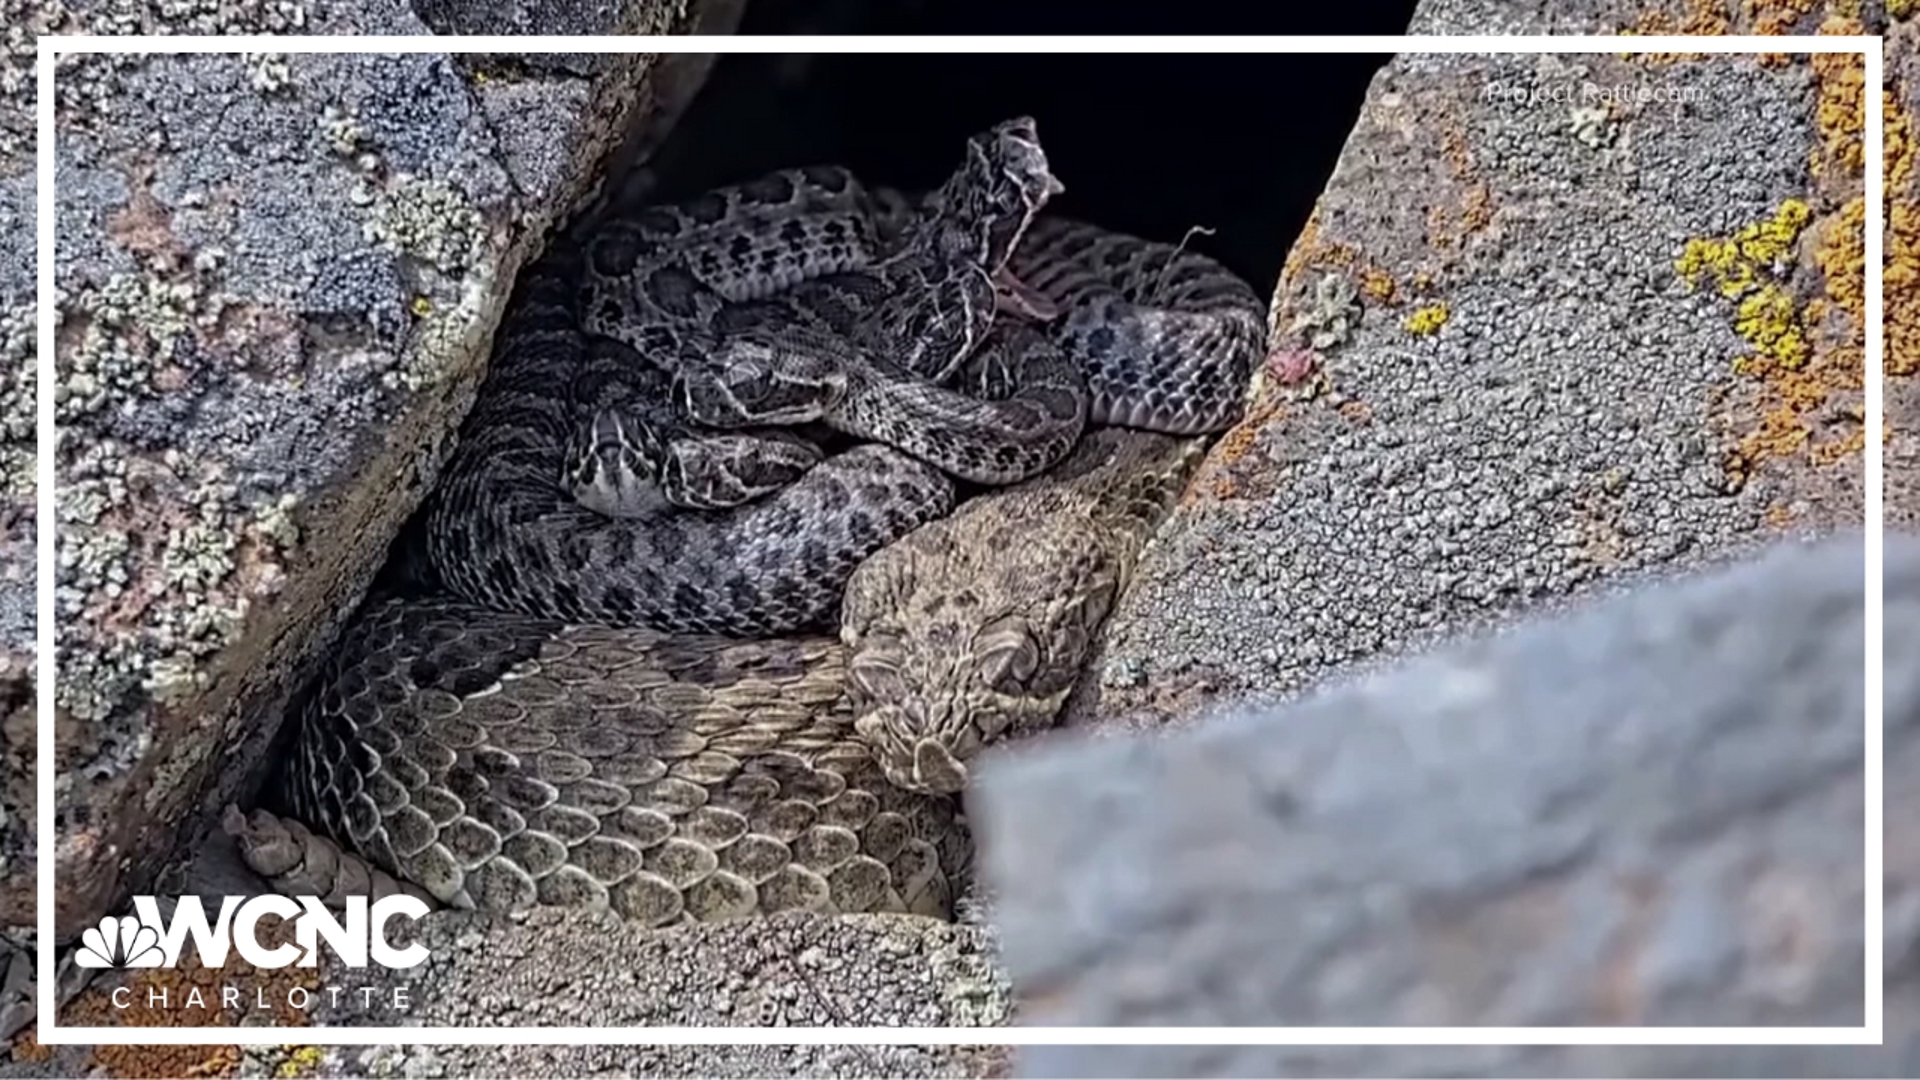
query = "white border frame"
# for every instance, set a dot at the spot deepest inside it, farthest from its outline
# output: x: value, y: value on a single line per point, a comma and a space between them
x: 1868, y: 47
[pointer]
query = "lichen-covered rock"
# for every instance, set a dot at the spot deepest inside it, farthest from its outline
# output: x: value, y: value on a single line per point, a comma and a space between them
x: 18, y: 327
x: 1901, y: 277
x: 1649, y: 811
x: 278, y: 276
x: 1557, y: 323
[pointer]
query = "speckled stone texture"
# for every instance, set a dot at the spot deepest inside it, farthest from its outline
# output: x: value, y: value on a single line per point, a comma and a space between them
x: 1902, y: 275
x: 1515, y: 398
x: 17, y: 457
x: 279, y: 276
x: 789, y: 969
x: 1645, y: 812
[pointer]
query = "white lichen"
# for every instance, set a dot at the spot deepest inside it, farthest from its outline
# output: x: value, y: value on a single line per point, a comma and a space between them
x: 91, y: 85
x: 342, y: 130
x: 274, y: 522
x: 186, y: 603
x: 19, y: 379
x: 1593, y: 126
x: 429, y: 220
x: 134, y: 326
x: 444, y: 333
x: 1331, y: 315
x: 267, y: 72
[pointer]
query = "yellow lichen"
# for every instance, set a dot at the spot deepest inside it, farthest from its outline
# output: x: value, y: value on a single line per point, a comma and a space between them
x: 1739, y: 266
x: 1900, y: 9
x: 1767, y: 320
x: 1797, y: 379
x: 1427, y: 320
x: 1735, y: 262
x: 300, y: 1061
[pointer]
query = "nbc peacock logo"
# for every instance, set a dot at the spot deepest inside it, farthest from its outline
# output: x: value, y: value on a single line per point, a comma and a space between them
x: 123, y: 942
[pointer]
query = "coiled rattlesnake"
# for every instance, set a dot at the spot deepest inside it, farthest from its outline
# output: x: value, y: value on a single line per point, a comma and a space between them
x: 645, y: 712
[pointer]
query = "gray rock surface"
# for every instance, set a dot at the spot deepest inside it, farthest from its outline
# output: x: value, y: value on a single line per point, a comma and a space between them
x: 787, y: 970
x: 1516, y: 398
x: 279, y: 275
x: 17, y: 457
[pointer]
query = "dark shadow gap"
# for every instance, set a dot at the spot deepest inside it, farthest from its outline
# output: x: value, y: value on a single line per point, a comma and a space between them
x: 1101, y: 17
x: 1155, y: 145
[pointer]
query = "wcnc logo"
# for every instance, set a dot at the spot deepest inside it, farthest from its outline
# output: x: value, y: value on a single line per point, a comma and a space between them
x: 144, y: 939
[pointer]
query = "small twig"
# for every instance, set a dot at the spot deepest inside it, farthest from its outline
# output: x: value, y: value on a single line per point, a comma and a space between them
x: 1193, y: 230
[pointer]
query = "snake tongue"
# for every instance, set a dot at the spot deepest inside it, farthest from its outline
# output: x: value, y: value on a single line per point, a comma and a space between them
x: 937, y: 770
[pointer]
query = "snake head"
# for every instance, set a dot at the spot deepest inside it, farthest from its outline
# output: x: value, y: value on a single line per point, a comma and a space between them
x: 983, y: 209
x: 949, y: 279
x: 1020, y: 183
x: 748, y: 381
x: 612, y: 464
x: 957, y: 644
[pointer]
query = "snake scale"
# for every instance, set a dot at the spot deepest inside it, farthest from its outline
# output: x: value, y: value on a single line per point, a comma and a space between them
x: 702, y: 448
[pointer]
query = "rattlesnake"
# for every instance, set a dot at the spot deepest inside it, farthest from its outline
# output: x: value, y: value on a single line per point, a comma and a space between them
x: 646, y: 714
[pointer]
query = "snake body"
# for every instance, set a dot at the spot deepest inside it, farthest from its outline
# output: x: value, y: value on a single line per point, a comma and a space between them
x: 645, y: 710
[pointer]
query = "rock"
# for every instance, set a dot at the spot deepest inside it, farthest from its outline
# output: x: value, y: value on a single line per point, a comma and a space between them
x: 787, y: 969
x: 268, y: 342
x: 18, y: 235
x: 1901, y: 279
x: 1646, y: 812
x: 1520, y: 398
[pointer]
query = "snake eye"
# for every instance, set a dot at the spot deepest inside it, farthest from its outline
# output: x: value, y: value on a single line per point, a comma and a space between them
x: 1008, y: 654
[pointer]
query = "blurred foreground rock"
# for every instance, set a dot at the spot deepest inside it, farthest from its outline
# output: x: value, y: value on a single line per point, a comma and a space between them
x: 1647, y: 812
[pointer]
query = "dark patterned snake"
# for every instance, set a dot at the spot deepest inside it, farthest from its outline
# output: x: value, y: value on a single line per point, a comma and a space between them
x: 616, y: 686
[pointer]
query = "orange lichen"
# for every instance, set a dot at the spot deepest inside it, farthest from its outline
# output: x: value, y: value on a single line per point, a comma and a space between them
x: 1378, y: 285
x: 1311, y: 252
x: 1797, y: 402
x: 1827, y: 453
x: 1901, y: 276
x: 1791, y: 398
x: 1841, y: 81
x: 183, y: 1008
x: 1777, y: 17
x: 1703, y: 18
x: 1478, y: 210
x: 1447, y: 227
x: 1841, y: 254
x: 1240, y: 439
x: 1306, y: 248
x: 26, y: 1047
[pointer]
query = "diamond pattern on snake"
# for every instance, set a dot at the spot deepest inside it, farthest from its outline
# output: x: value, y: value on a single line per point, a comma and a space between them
x: 694, y: 628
